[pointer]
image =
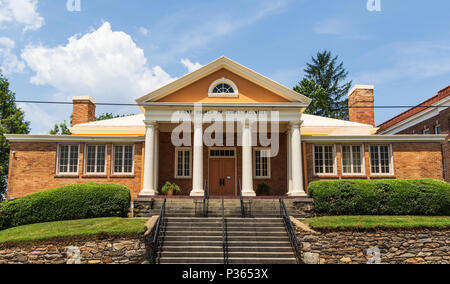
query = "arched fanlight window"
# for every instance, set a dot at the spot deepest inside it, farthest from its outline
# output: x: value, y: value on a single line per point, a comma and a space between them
x: 223, y: 88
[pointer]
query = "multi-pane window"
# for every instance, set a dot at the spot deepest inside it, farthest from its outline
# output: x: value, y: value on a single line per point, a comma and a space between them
x: 222, y: 153
x: 123, y: 159
x: 183, y: 158
x: 352, y: 159
x: 95, y: 159
x: 223, y: 89
x: 380, y: 159
x: 68, y: 159
x: 324, y: 159
x: 262, y: 163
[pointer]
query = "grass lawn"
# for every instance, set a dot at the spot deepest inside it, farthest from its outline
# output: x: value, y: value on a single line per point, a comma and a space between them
x: 73, y: 229
x: 380, y: 222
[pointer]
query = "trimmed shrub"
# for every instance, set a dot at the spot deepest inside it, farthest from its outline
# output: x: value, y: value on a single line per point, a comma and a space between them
x: 381, y: 197
x: 78, y: 201
x: 263, y: 190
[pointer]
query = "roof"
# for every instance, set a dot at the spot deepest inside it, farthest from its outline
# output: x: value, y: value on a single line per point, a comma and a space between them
x: 225, y: 63
x: 442, y: 94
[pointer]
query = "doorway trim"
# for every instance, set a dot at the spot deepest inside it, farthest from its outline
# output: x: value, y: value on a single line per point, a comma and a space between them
x: 224, y: 157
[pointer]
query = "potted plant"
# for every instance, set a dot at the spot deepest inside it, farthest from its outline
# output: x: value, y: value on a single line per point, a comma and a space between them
x: 170, y: 189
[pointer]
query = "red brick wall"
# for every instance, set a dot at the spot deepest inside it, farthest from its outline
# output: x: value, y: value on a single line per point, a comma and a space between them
x: 411, y: 161
x: 83, y: 112
x: 33, y: 169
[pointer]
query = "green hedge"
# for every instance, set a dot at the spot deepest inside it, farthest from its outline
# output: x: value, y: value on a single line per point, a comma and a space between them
x: 381, y: 197
x: 78, y: 201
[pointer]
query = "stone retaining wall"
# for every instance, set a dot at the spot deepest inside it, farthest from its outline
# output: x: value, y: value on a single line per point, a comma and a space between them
x: 387, y: 247
x: 105, y: 251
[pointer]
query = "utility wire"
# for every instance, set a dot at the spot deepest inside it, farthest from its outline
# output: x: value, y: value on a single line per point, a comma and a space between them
x: 144, y: 104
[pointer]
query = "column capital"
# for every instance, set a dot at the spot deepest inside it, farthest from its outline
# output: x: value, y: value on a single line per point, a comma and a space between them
x: 151, y: 123
x: 295, y: 124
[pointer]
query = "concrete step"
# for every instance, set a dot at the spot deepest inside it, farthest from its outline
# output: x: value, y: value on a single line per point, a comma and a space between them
x: 253, y: 228
x: 230, y: 238
x: 231, y: 243
x: 167, y: 248
x: 257, y: 255
x: 234, y: 260
x: 230, y: 234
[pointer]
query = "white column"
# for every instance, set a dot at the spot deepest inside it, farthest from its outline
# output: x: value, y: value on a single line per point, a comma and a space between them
x: 156, y: 160
x: 149, y: 160
x: 197, y: 179
x: 296, y: 164
x: 289, y: 160
x: 247, y: 161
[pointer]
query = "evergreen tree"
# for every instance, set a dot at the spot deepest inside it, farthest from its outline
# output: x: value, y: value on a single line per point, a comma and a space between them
x: 12, y: 121
x: 325, y: 84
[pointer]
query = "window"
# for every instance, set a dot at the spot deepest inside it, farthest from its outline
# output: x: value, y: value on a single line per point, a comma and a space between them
x: 262, y: 163
x: 217, y: 153
x: 381, y: 159
x: 352, y: 159
x: 437, y: 129
x: 123, y: 159
x: 183, y: 162
x: 95, y: 159
x: 67, y: 162
x: 324, y: 160
x: 223, y: 88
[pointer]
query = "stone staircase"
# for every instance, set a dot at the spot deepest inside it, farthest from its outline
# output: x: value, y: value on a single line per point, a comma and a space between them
x: 260, y: 208
x: 187, y: 240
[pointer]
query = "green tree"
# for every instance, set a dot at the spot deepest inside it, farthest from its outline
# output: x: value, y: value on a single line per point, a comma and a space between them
x: 61, y: 129
x: 12, y: 121
x: 325, y: 83
x: 106, y: 116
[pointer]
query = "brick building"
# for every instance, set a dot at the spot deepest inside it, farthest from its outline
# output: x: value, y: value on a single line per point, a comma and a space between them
x: 178, y: 138
x: 428, y: 118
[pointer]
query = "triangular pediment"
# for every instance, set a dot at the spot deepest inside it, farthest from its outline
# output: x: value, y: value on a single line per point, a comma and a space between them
x: 252, y: 87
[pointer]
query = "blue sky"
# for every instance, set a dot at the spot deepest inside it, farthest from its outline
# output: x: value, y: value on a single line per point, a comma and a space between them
x: 116, y: 51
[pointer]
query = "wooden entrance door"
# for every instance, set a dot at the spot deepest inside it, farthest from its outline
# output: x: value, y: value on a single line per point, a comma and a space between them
x: 222, y: 177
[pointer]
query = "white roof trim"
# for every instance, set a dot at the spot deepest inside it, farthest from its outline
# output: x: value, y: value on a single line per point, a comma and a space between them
x: 425, y: 114
x: 232, y: 66
x: 73, y: 138
x: 361, y: 87
x: 230, y: 105
x: 376, y: 138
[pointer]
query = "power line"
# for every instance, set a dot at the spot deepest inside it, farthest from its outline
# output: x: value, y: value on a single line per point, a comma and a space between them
x: 145, y: 104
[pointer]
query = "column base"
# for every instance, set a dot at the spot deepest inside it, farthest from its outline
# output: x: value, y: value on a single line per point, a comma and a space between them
x: 297, y: 194
x: 148, y: 193
x: 197, y: 193
x: 248, y: 194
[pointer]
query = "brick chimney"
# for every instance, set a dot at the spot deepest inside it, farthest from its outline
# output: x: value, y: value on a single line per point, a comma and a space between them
x: 362, y: 96
x: 83, y: 110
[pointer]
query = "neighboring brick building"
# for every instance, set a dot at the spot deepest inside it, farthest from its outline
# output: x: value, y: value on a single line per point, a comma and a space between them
x: 142, y: 151
x: 428, y: 118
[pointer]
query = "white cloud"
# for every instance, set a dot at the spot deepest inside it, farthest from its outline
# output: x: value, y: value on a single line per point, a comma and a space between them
x: 41, y: 120
x: 104, y: 64
x: 9, y: 63
x: 21, y: 11
x: 191, y: 67
x: 338, y: 27
x: 143, y: 31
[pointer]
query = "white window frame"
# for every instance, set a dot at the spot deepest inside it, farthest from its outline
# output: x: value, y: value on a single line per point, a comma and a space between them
x: 436, y: 127
x: 223, y: 95
x: 363, y: 164
x: 391, y: 160
x: 113, y: 160
x: 334, y: 173
x: 68, y: 165
x: 426, y: 131
x: 177, y: 149
x: 269, y: 159
x: 85, y: 157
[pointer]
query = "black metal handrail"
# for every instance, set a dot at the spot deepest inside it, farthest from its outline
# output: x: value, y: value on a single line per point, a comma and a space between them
x: 295, y: 242
x: 205, y: 199
x: 242, y: 199
x: 157, y: 235
x: 224, y: 235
